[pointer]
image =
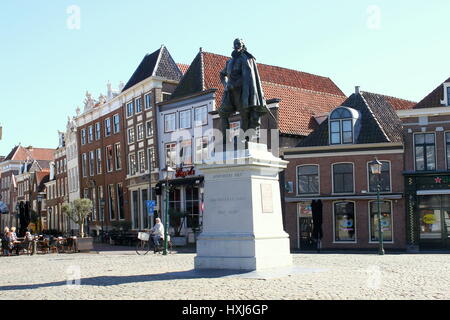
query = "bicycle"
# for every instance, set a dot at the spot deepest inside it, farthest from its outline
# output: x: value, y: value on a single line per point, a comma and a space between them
x: 145, y: 244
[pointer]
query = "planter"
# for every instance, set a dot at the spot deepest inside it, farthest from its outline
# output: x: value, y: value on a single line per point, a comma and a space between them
x: 85, y: 244
x: 179, y: 241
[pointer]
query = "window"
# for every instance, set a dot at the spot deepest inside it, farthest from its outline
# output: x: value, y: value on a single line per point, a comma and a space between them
x: 185, y: 119
x: 148, y: 101
x: 343, y: 178
x: 151, y: 156
x: 137, y: 102
x: 83, y: 136
x: 149, y: 125
x: 90, y: 134
x: 112, y: 202
x: 169, y: 122
x: 116, y: 125
x: 166, y: 96
x: 101, y: 203
x: 131, y: 137
x: 186, y: 152
x: 344, y: 221
x: 447, y: 148
x: 130, y: 109
x: 132, y: 162
x: 341, y: 126
x: 107, y: 127
x: 201, y: 116
x: 448, y: 96
x: 171, y: 154
x: 386, y: 220
x: 425, y: 153
x: 385, y: 178
x: 109, y: 157
x: 201, y: 149
x: 91, y: 163
x: 117, y: 156
x: 120, y: 201
x: 140, y: 131
x: 99, y: 161
x: 308, y: 179
x: 192, y: 207
x: 84, y: 164
x: 97, y: 131
x: 141, y: 159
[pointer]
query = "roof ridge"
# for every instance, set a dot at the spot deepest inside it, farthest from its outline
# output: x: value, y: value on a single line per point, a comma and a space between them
x: 374, y: 117
x: 384, y: 95
x: 158, y: 60
x: 301, y: 89
x: 202, y: 70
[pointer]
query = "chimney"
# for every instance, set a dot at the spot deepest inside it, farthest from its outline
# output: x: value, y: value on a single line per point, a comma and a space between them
x: 109, y: 90
x: 357, y: 89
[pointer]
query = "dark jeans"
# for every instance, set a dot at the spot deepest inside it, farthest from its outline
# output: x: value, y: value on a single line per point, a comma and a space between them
x: 156, y: 240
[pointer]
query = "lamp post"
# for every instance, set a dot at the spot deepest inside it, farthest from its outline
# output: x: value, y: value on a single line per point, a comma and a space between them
x: 39, y: 199
x: 166, y: 171
x: 375, y: 167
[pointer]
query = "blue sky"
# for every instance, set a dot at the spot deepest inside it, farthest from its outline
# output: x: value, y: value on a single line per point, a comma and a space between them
x: 399, y: 48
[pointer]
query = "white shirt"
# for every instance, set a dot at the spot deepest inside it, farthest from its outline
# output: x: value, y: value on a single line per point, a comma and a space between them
x: 158, y: 229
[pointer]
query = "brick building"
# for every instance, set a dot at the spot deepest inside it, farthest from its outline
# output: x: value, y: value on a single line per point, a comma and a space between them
x: 11, y: 169
x: 427, y: 170
x: 332, y: 165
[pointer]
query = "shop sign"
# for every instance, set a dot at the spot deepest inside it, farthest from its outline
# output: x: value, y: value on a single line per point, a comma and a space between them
x: 181, y: 174
x: 429, y: 219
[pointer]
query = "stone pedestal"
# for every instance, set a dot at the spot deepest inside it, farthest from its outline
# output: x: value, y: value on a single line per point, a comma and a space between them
x: 242, y: 222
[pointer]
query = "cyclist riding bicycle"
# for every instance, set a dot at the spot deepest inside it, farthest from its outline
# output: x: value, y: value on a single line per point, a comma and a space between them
x: 157, y: 232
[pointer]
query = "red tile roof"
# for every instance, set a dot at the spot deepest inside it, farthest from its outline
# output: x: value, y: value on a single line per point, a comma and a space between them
x: 183, y: 67
x: 400, y: 104
x: 433, y: 99
x: 20, y: 153
x: 302, y: 95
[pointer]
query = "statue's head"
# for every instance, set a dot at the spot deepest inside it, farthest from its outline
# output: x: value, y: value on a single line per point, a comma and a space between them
x: 239, y: 45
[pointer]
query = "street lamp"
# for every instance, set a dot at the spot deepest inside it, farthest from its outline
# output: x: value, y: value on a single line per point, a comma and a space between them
x: 375, y: 168
x: 167, y: 170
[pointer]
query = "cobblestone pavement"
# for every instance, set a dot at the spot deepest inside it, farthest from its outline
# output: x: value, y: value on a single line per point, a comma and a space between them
x: 112, y: 274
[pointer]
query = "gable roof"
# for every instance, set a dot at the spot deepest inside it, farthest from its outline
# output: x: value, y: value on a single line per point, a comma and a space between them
x: 379, y: 120
x: 434, y: 98
x: 158, y: 63
x: 302, y: 94
x: 20, y: 153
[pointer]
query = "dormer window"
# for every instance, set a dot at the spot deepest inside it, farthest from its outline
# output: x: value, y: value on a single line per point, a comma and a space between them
x: 448, y: 95
x: 446, y: 101
x: 342, y: 122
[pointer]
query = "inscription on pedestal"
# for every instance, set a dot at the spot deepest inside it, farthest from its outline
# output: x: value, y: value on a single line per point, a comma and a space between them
x: 227, y: 204
x: 266, y: 198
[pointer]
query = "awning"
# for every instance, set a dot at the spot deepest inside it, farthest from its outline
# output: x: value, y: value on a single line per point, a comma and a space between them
x: 432, y: 192
x: 182, y: 181
x: 345, y: 197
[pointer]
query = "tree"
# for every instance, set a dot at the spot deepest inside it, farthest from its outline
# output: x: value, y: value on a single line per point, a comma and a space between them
x: 176, y: 220
x: 78, y: 211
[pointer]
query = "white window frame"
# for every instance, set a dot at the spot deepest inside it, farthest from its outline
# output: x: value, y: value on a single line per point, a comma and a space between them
x: 133, y: 154
x: 198, y: 123
x: 297, y: 183
x: 115, y: 156
x: 180, y: 117
x: 414, y: 150
x: 136, y: 102
x: 355, y: 223
x: 147, y: 102
x: 98, y: 155
x: 90, y: 134
x: 332, y: 179
x: 129, y: 135
x: 142, y: 131
x: 141, y: 162
x: 83, y: 136
x: 128, y: 104
x: 166, y: 129
x: 116, y: 116
x: 146, y: 128
x: 369, y: 221
x: 108, y: 120
x: 390, y: 177
x: 98, y: 131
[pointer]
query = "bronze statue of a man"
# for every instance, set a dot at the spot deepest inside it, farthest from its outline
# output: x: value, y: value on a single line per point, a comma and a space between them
x: 243, y: 90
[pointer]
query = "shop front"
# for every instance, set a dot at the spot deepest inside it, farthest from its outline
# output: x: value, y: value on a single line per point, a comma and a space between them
x: 428, y: 210
x: 185, y: 205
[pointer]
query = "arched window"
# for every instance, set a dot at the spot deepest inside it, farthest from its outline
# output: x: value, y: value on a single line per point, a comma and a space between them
x: 342, y: 121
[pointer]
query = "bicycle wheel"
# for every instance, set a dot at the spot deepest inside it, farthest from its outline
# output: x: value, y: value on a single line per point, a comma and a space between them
x: 143, y: 247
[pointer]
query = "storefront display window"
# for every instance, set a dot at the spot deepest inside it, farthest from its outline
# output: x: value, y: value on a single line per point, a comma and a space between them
x: 386, y: 220
x: 430, y: 210
x: 344, y: 221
